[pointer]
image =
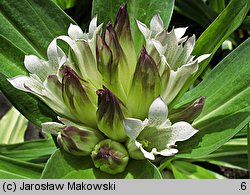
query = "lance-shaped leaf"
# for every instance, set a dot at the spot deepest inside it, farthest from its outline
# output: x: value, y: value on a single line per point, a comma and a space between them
x: 109, y: 115
x: 122, y: 29
x: 76, y: 97
x: 146, y: 86
x: 188, y: 112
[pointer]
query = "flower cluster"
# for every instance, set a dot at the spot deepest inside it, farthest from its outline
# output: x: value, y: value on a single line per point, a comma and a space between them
x: 112, y: 102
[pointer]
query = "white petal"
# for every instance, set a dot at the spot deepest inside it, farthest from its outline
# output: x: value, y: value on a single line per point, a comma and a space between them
x: 75, y: 32
x: 156, y: 24
x: 203, y: 57
x: 93, y: 25
x: 181, y: 131
x: 36, y: 66
x: 179, y: 32
x: 75, y: 46
x: 52, y: 53
x: 177, y: 79
x: 146, y: 154
x: 133, y: 127
x: 189, y: 68
x: 158, y: 46
x: 30, y: 63
x: 165, y: 152
x: 144, y: 29
x: 189, y: 46
x: 27, y: 84
x: 158, y: 111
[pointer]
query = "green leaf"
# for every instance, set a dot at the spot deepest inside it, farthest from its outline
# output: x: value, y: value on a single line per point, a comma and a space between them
x: 13, y: 126
x: 216, y: 5
x: 11, y: 64
x: 62, y: 165
x: 32, y: 24
x: 232, y: 154
x: 227, y: 105
x: 37, y: 151
x: 185, y: 170
x: 225, y: 24
x: 65, y: 4
x: 139, y: 9
x: 11, y: 58
x: 14, y: 169
x: 29, y: 27
x: 229, y: 20
x: 246, y: 24
x: 248, y: 148
x: 197, y: 11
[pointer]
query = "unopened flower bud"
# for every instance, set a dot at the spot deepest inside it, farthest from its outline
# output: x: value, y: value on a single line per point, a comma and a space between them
x: 188, y: 112
x: 109, y: 115
x: 110, y: 156
x: 75, y: 139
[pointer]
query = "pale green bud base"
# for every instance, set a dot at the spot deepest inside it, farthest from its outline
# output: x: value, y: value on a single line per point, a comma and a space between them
x: 110, y: 156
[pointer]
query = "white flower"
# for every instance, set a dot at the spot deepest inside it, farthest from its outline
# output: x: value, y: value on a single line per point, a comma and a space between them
x: 172, y: 54
x: 156, y: 135
x: 66, y: 84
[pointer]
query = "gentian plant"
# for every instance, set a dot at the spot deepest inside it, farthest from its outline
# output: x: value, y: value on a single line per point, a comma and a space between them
x: 118, y: 109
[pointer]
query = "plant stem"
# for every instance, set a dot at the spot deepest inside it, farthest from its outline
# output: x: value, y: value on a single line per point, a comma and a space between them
x: 165, y: 164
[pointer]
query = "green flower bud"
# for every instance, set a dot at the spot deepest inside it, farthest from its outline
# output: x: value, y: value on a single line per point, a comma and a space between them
x: 122, y: 29
x: 78, y: 141
x: 109, y: 115
x: 110, y: 156
x: 188, y: 112
x: 75, y: 139
x: 77, y: 97
x: 146, y: 86
x: 110, y: 61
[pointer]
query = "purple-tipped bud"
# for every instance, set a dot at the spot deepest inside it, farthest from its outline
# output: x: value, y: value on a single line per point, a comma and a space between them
x: 110, y: 156
x: 146, y: 86
x: 110, y: 115
x: 188, y: 112
x: 146, y: 69
x: 122, y: 24
x: 76, y: 97
x: 104, y: 60
x: 112, y: 41
x: 75, y: 139
x: 79, y: 141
